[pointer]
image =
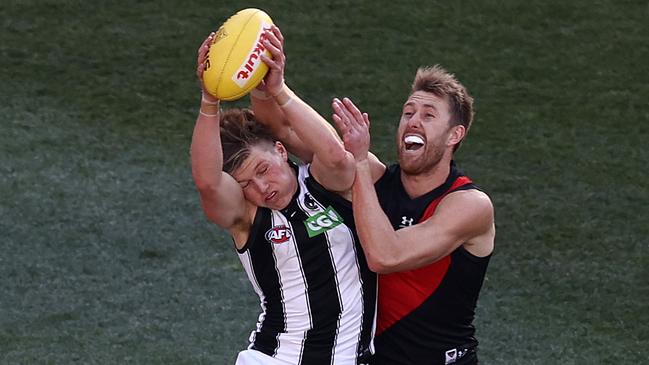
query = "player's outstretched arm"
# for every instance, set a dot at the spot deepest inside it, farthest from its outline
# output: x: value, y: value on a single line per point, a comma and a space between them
x: 332, y: 166
x: 462, y: 218
x: 221, y: 196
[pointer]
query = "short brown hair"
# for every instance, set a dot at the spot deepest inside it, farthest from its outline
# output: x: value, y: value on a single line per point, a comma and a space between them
x: 443, y: 84
x: 239, y: 132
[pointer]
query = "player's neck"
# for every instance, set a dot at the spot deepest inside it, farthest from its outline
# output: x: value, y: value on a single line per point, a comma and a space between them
x: 419, y: 184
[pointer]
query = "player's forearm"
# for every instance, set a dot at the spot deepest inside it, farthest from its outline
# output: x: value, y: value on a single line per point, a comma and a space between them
x: 373, y: 226
x: 311, y: 128
x: 206, y: 152
x: 269, y: 113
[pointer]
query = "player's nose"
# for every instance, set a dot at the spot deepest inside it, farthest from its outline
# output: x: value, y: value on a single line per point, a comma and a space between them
x: 261, y: 184
x: 414, y: 123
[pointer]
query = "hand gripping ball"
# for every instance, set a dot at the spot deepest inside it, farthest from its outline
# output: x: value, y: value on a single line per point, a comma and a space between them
x: 233, y: 66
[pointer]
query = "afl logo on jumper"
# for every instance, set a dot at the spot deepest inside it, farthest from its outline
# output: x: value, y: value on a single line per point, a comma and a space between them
x: 278, y: 234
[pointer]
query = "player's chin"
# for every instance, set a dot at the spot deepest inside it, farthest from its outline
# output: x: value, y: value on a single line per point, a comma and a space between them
x: 410, y: 168
x: 409, y: 156
x: 276, y: 203
x: 411, y: 163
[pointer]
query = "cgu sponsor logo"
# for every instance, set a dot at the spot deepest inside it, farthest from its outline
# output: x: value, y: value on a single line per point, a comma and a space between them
x: 278, y: 234
x: 322, y: 222
x: 250, y: 63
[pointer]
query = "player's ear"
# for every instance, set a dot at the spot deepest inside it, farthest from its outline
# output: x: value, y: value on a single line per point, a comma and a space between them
x: 279, y: 148
x: 456, y: 135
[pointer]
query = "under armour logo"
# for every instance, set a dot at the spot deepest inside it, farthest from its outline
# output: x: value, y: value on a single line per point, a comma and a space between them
x: 406, y: 222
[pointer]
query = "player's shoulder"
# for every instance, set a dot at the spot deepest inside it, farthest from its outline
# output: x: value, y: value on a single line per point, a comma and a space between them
x: 468, y: 199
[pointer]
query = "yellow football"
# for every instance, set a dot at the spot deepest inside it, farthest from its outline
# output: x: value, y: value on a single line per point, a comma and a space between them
x: 233, y: 65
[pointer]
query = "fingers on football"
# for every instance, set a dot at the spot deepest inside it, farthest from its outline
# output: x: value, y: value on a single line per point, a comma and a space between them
x: 271, y: 62
x: 206, y: 44
x: 277, y: 33
x: 274, y: 46
x: 202, y: 55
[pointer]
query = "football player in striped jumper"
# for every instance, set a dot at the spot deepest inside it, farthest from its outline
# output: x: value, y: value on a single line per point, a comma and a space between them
x: 292, y: 228
x: 424, y: 226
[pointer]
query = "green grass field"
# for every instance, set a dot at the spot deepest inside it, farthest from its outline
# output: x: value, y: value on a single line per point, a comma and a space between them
x: 105, y: 255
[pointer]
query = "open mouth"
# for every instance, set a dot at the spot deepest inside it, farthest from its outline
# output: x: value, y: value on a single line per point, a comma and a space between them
x: 270, y: 196
x: 413, y: 142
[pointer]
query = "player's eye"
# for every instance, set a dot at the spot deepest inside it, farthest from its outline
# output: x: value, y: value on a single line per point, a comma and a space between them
x: 244, y: 184
x: 263, y: 170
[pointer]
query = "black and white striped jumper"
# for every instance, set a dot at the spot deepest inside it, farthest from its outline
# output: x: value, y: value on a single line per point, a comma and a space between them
x: 318, y: 297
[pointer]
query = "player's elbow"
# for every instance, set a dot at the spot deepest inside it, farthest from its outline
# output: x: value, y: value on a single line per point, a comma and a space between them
x: 209, y: 204
x: 207, y: 190
x: 204, y: 181
x: 382, y: 263
x: 202, y: 185
x: 337, y: 157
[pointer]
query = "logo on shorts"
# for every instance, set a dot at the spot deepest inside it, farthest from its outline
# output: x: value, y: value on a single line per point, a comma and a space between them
x: 278, y: 234
x: 451, y: 356
x: 322, y: 222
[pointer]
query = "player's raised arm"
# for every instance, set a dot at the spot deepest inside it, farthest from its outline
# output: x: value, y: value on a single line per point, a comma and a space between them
x: 332, y: 165
x: 269, y: 113
x: 221, y: 196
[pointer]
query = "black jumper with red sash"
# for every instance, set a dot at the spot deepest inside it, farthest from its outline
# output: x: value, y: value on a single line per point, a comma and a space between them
x: 425, y: 316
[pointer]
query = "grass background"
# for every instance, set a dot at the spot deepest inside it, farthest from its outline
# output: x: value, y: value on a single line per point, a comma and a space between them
x: 105, y: 255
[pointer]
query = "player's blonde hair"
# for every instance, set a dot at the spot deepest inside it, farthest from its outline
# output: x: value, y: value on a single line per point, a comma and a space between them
x: 443, y: 84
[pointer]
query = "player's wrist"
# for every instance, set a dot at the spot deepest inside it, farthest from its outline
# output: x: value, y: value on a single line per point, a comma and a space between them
x: 282, y: 98
x: 209, y: 109
x: 275, y: 91
x: 208, y: 114
x: 208, y: 99
x: 362, y: 161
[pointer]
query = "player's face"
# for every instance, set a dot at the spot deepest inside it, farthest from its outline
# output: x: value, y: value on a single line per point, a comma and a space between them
x: 422, y: 137
x: 266, y: 178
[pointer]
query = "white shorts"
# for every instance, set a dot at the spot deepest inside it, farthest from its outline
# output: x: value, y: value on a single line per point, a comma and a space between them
x: 254, y: 357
